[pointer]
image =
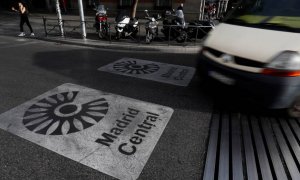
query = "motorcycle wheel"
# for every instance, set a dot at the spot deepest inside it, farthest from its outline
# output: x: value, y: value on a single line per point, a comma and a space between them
x: 148, y: 40
x: 148, y: 37
x: 134, y: 33
x: 102, y: 33
x: 118, y: 35
x: 182, y: 37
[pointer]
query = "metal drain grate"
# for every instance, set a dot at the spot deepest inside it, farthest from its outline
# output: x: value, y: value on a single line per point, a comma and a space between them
x: 252, y: 147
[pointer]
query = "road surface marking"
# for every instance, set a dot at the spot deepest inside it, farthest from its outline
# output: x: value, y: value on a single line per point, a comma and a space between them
x: 155, y: 71
x: 110, y: 133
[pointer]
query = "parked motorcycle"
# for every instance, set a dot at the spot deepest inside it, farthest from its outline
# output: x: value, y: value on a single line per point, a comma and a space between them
x: 199, y: 29
x: 151, y: 27
x: 126, y: 26
x: 101, y: 23
x: 174, y: 26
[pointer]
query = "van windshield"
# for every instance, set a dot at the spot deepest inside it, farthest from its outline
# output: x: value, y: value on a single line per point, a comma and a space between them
x: 282, y: 15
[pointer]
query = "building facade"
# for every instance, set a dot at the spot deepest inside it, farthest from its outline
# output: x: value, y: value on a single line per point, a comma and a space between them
x: 192, y: 8
x: 189, y: 5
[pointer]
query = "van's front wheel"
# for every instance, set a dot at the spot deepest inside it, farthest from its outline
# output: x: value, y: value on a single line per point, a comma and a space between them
x: 294, y: 109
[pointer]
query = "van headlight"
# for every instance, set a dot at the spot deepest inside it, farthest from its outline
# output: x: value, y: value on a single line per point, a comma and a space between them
x: 286, y: 64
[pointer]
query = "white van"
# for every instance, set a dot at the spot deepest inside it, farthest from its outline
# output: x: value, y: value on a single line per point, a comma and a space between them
x: 256, y: 49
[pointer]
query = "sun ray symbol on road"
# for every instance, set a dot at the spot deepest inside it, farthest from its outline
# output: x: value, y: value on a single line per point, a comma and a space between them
x: 59, y: 114
x: 131, y: 67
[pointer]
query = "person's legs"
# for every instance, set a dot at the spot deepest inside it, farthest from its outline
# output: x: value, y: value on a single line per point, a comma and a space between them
x: 22, y: 21
x: 28, y: 23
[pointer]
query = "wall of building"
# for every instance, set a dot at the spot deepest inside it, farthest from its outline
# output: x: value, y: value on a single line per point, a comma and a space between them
x: 191, y: 7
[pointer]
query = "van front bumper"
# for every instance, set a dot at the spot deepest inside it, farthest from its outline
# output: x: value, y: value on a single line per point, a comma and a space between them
x: 269, y: 91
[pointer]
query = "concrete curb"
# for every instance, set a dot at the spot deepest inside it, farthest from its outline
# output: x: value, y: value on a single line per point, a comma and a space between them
x: 124, y: 46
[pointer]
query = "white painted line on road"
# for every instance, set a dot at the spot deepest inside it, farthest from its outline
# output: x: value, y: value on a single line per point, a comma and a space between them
x: 155, y: 71
x: 110, y: 133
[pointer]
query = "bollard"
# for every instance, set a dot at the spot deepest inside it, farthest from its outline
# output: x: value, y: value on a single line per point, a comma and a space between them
x: 109, y: 33
x: 169, y: 35
x: 63, y: 25
x: 139, y: 34
x: 82, y: 21
x: 197, y: 35
x: 59, y: 19
x: 45, y: 26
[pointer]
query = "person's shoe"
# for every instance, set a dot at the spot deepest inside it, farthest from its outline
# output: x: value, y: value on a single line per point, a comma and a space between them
x: 32, y: 34
x: 22, y: 34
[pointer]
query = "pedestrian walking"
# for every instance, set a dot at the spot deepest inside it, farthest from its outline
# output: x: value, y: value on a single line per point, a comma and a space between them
x: 23, y: 11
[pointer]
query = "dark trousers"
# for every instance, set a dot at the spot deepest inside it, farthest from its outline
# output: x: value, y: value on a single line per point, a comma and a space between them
x: 24, y: 19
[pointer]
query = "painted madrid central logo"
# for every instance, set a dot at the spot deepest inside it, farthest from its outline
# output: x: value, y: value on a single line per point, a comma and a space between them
x: 59, y: 114
x: 131, y: 67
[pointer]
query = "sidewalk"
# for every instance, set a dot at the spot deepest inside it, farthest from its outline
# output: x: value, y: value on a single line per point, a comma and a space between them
x: 10, y: 26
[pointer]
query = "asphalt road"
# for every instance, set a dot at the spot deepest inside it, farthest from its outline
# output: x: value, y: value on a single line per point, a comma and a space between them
x: 30, y: 67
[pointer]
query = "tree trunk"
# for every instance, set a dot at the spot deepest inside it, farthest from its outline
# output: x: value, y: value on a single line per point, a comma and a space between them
x: 134, y: 6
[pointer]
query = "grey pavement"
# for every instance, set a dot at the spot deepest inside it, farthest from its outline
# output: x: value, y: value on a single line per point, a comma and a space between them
x: 9, y: 25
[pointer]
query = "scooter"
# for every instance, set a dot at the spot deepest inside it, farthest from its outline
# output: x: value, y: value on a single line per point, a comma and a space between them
x: 126, y: 27
x: 174, y: 27
x: 151, y: 27
x: 101, y: 23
